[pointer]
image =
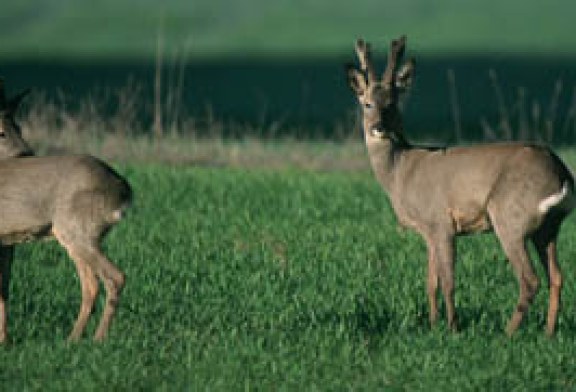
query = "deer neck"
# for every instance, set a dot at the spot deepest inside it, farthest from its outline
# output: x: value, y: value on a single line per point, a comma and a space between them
x: 384, y: 154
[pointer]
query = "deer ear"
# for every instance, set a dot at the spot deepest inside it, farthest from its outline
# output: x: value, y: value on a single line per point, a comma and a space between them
x: 15, y: 101
x: 405, y: 75
x: 356, y: 80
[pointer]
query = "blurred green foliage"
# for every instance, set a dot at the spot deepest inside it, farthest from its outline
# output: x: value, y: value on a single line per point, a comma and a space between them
x: 129, y: 28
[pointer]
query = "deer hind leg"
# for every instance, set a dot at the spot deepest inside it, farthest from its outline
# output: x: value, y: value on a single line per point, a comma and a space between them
x: 92, y: 263
x: 89, y: 285
x: 515, y: 249
x: 113, y: 280
x: 545, y: 243
x: 6, y: 256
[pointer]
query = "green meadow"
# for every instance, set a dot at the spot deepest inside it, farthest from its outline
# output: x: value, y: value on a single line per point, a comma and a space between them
x: 286, y: 279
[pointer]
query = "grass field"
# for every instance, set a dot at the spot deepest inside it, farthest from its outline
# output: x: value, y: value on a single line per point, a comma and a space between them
x: 277, y: 280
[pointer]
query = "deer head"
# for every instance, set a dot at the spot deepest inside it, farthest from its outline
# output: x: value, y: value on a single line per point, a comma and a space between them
x: 11, y: 143
x: 379, y: 97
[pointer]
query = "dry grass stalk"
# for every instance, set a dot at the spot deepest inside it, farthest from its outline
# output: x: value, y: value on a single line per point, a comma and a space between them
x: 54, y: 126
x: 158, y: 123
x: 534, y: 125
x: 454, y: 104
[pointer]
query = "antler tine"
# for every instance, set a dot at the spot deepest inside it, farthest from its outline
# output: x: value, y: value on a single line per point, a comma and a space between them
x: 396, y: 52
x: 364, y: 56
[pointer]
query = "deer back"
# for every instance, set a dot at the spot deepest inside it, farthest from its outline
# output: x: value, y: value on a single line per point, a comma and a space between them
x: 37, y: 193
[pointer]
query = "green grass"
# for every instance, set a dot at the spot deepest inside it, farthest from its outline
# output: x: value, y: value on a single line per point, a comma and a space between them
x: 277, y: 280
x: 104, y: 28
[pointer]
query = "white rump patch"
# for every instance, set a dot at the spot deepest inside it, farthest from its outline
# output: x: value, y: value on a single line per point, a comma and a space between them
x: 553, y: 200
x: 118, y: 214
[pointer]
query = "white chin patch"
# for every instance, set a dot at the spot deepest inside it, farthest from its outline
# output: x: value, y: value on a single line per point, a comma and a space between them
x: 378, y: 133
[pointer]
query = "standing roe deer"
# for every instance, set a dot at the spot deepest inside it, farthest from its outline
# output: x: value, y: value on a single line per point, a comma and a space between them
x: 521, y: 191
x: 75, y: 199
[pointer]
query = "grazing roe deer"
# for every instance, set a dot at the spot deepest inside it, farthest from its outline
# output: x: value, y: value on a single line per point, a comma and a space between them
x: 75, y: 199
x: 520, y: 191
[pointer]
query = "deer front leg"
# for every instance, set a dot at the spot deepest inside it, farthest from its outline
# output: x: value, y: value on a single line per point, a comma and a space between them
x: 432, y: 284
x: 6, y: 256
x: 444, y: 260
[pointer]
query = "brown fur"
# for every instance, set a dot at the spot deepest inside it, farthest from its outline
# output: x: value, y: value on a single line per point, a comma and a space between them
x: 75, y: 199
x: 443, y: 193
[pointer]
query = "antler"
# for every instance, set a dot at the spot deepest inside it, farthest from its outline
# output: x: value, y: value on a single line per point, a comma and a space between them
x: 404, y: 75
x: 396, y: 52
x: 364, y: 56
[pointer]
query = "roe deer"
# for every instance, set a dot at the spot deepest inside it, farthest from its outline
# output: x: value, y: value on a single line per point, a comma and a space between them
x: 75, y: 199
x: 520, y: 191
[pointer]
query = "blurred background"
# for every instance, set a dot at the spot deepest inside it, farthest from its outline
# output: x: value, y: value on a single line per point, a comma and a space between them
x: 495, y: 69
